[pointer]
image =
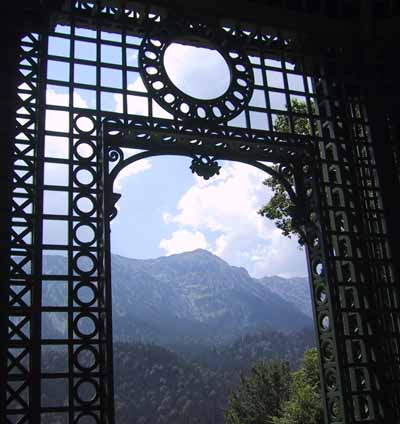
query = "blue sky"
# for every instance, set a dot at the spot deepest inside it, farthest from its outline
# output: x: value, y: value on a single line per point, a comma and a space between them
x: 164, y: 208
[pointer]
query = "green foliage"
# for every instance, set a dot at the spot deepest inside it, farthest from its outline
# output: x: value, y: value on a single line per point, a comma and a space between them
x: 301, y: 123
x: 280, y: 208
x: 260, y: 396
x: 271, y: 394
x: 304, y: 405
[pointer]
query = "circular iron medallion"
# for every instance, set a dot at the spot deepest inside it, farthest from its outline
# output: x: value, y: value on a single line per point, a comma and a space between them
x: 182, y: 105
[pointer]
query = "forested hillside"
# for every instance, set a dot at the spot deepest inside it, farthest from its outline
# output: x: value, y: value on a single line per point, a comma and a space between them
x: 154, y: 385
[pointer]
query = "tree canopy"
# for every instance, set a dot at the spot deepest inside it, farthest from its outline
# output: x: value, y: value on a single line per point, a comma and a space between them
x: 305, y: 404
x: 280, y: 207
x: 272, y: 394
x: 261, y: 396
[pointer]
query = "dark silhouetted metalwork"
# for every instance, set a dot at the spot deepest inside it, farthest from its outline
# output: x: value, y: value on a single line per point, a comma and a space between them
x: 92, y: 86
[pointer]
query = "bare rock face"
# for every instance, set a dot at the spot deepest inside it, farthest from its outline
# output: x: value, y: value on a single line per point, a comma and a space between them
x: 294, y: 290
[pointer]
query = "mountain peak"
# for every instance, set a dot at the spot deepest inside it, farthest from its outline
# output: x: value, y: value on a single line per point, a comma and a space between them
x: 199, y: 255
x: 202, y: 252
x: 197, y: 252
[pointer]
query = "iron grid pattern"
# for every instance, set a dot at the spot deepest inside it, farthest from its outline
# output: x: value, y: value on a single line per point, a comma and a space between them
x: 23, y: 291
x: 357, y: 258
x: 84, y: 79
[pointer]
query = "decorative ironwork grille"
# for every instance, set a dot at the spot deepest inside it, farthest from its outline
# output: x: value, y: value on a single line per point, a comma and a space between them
x: 97, y: 84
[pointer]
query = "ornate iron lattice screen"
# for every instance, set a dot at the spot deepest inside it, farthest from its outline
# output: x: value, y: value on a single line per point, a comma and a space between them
x: 97, y: 83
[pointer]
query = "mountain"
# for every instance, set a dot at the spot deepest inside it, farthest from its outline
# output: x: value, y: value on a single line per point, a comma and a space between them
x: 192, y: 297
x: 242, y: 353
x: 294, y: 290
x: 154, y: 385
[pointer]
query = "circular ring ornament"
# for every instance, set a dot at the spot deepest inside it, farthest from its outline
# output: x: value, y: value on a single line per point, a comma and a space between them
x: 84, y: 124
x: 87, y: 418
x: 87, y: 391
x: 84, y: 176
x: 84, y: 233
x: 182, y: 105
x: 88, y: 319
x: 84, y: 204
x: 87, y: 289
x: 84, y: 263
x: 92, y: 358
x: 84, y: 150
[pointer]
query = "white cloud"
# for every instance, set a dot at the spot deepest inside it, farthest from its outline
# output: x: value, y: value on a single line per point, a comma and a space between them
x: 59, y: 120
x: 138, y: 105
x: 227, y: 203
x: 226, y: 208
x: 167, y: 217
x: 184, y: 241
x: 194, y: 70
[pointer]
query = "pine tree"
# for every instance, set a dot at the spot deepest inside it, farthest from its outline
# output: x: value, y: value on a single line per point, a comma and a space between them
x: 304, y: 405
x: 271, y: 394
x: 261, y: 395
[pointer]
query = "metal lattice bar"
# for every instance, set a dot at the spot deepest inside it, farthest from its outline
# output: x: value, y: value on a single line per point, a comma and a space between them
x: 21, y: 351
x: 336, y: 190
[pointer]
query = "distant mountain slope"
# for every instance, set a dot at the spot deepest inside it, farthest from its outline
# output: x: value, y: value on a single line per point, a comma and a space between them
x: 188, y: 297
x: 196, y: 295
x: 242, y: 353
x: 294, y: 290
x: 154, y: 385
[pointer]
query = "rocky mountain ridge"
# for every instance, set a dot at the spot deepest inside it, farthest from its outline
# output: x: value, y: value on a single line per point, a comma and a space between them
x: 188, y: 298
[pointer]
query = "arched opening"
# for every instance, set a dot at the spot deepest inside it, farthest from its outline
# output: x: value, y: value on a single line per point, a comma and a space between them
x: 205, y: 302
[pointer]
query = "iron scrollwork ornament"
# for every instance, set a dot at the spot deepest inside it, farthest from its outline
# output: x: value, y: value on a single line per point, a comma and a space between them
x: 114, y: 155
x: 205, y: 167
x: 180, y: 104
